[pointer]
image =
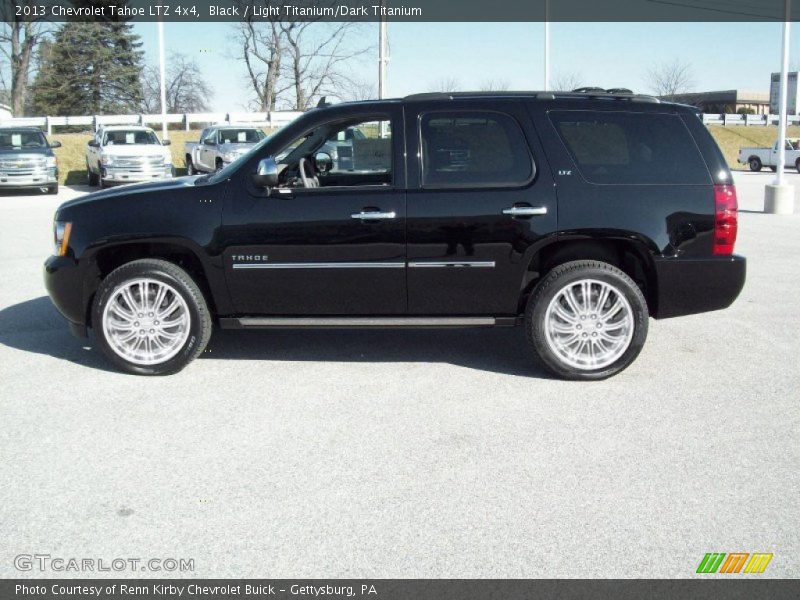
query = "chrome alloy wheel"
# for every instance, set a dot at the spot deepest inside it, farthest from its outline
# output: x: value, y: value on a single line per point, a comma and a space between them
x: 589, y: 324
x: 146, y: 321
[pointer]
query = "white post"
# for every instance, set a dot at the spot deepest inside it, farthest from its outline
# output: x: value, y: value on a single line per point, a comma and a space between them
x: 163, y: 77
x: 382, y: 59
x: 779, y: 197
x: 546, y: 45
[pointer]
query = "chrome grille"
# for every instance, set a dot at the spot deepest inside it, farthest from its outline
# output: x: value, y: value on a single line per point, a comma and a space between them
x: 138, y: 163
x: 22, y: 166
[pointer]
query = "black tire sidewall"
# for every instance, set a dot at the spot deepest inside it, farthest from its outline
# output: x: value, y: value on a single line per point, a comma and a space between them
x: 549, y: 287
x: 151, y: 270
x: 755, y: 164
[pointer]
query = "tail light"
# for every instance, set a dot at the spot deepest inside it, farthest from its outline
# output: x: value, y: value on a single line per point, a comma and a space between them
x: 726, y: 219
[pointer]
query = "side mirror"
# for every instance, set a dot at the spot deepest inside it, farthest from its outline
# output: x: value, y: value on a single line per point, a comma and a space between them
x: 94, y: 144
x: 324, y: 162
x: 209, y: 142
x: 166, y: 142
x: 55, y: 144
x: 267, y: 173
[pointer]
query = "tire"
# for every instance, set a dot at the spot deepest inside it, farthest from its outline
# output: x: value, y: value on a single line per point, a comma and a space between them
x: 91, y: 177
x: 182, y: 291
x: 52, y: 189
x: 218, y: 164
x: 797, y: 165
x: 190, y: 170
x: 103, y: 184
x: 755, y: 164
x: 629, y: 321
x: 773, y: 169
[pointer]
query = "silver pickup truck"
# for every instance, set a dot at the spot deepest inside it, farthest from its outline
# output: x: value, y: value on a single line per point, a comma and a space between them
x: 220, y: 145
x: 27, y: 160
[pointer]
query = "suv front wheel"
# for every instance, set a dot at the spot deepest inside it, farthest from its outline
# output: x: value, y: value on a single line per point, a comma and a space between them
x: 586, y: 320
x: 150, y: 317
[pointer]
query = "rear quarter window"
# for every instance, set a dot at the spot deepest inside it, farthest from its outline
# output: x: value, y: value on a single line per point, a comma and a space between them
x: 631, y: 148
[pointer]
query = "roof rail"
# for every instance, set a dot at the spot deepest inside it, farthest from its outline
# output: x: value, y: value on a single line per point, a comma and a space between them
x: 430, y: 96
x: 584, y: 93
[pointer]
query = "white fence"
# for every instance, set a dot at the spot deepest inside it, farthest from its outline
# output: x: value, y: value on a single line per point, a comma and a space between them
x: 264, y: 119
x: 748, y: 120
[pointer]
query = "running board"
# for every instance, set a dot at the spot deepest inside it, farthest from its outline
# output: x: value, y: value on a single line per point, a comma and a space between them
x: 344, y: 322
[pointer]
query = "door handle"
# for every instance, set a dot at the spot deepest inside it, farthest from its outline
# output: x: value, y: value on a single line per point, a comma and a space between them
x: 525, y: 211
x: 373, y: 215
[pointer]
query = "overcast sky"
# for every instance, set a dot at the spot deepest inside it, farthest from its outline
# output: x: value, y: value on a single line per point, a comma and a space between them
x: 722, y: 55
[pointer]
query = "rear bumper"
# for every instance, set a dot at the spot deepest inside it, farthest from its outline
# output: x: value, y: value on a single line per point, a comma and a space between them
x: 689, y: 286
x: 64, y: 285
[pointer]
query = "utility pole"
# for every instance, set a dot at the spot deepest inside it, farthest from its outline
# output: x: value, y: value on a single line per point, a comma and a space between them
x: 546, y: 45
x: 383, y: 57
x: 779, y: 197
x: 163, y: 77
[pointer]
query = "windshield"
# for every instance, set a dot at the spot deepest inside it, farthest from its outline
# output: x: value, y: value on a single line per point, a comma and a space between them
x: 22, y: 138
x: 240, y: 136
x: 124, y: 137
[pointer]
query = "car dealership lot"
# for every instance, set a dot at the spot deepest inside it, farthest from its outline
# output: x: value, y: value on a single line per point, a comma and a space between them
x: 406, y: 453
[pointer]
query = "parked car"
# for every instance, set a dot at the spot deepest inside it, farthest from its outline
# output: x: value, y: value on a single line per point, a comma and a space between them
x: 757, y: 158
x: 127, y: 154
x: 27, y: 160
x: 219, y: 146
x: 574, y: 216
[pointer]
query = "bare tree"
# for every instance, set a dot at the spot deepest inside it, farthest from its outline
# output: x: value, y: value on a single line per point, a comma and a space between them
x: 444, y: 84
x: 262, y: 47
x: 494, y: 85
x: 186, y: 89
x: 316, y: 53
x: 18, y: 41
x: 357, y: 89
x: 670, y: 79
x: 566, y: 82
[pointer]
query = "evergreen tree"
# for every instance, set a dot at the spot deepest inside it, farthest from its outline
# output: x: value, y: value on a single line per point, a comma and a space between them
x: 90, y: 68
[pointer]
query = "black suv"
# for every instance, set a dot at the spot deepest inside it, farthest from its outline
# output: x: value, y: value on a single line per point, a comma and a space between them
x: 577, y: 216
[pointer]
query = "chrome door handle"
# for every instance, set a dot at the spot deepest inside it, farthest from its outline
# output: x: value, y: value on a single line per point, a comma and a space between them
x: 525, y: 211
x: 373, y: 216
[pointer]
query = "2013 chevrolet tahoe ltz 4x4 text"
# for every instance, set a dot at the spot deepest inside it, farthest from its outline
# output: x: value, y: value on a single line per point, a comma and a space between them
x: 576, y: 216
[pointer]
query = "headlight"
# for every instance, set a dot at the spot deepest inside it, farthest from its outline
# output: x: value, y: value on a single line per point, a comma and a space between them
x: 52, y: 163
x: 105, y: 159
x: 61, y: 232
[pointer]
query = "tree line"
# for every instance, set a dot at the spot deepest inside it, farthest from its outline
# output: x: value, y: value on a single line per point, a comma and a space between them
x: 76, y: 68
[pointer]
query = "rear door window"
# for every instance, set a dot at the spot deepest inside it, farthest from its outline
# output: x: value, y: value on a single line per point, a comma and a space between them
x: 631, y: 148
x: 469, y: 149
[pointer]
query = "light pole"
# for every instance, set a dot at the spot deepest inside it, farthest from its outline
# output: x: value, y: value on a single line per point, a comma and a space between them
x: 382, y: 58
x: 546, y: 45
x: 163, y: 77
x: 779, y: 196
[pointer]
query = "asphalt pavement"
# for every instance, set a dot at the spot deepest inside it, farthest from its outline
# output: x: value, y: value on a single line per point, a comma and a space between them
x: 405, y: 453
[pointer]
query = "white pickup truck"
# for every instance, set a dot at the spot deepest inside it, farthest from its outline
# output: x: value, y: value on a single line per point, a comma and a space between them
x: 127, y: 154
x: 757, y: 158
x: 220, y: 145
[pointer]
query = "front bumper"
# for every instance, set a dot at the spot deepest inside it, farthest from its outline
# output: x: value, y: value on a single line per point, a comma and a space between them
x: 111, y: 174
x: 689, y: 286
x: 37, y: 179
x: 63, y: 282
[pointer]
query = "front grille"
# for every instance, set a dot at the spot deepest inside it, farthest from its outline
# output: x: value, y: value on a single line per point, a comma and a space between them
x: 138, y: 164
x: 23, y: 166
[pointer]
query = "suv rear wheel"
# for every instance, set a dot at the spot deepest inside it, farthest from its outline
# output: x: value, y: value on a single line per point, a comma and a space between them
x: 150, y: 317
x: 586, y: 320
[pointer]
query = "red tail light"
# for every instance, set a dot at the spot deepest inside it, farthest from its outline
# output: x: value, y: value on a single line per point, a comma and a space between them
x: 726, y: 219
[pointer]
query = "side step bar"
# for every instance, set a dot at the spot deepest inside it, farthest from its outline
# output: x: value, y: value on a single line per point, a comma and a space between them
x: 345, y: 322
